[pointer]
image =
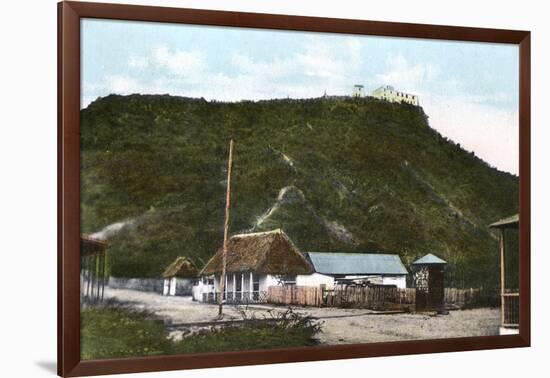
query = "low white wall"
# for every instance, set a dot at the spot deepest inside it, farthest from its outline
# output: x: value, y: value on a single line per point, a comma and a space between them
x: 315, y: 280
x: 141, y: 284
x: 399, y: 281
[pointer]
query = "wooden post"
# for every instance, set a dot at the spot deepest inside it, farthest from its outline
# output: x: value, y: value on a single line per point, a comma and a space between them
x: 226, y: 224
x: 251, y: 287
x: 502, y: 276
x: 96, y: 279
x: 226, y: 281
x: 104, y: 275
x: 88, y: 276
x: 242, y: 286
x: 234, y: 286
x: 102, y: 271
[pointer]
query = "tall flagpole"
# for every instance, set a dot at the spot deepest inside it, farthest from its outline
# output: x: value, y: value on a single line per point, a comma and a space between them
x: 226, y: 227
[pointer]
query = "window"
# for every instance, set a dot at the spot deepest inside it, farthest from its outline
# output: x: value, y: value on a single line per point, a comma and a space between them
x: 238, y: 281
x: 288, y: 279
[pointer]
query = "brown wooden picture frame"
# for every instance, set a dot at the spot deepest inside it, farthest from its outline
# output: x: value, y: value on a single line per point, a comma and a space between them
x: 69, y: 16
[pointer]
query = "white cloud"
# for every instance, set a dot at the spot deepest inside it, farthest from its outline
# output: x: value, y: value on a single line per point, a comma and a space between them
x: 138, y: 62
x: 320, y: 60
x: 407, y: 76
x: 317, y: 67
x: 182, y: 63
x: 122, y: 84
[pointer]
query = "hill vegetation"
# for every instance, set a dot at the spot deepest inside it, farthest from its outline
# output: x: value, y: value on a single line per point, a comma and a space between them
x: 346, y: 174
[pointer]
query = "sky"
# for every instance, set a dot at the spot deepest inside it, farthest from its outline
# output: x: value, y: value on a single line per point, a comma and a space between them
x: 468, y: 90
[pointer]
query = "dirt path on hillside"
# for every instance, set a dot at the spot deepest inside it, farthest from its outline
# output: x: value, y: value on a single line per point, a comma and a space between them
x: 340, y: 326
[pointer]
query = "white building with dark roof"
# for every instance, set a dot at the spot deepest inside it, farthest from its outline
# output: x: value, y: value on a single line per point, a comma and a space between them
x: 389, y: 93
x: 333, y: 268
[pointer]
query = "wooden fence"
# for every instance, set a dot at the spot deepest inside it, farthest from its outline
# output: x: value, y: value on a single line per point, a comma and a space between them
x: 469, y: 298
x: 380, y: 298
x: 295, y: 295
x: 376, y: 298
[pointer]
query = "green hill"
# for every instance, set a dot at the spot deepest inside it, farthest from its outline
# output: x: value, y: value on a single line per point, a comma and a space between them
x: 336, y: 174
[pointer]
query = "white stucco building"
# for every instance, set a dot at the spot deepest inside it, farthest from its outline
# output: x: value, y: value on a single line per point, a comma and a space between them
x: 390, y: 94
x: 254, y: 262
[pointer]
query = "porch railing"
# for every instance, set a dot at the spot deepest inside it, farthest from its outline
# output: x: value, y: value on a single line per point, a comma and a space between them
x: 244, y: 297
x: 510, y: 309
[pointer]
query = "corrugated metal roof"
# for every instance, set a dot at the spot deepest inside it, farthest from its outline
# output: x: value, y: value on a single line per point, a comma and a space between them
x: 510, y: 222
x: 429, y: 259
x: 356, y: 263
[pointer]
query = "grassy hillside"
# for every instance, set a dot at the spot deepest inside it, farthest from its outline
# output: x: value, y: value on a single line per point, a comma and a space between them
x: 336, y: 174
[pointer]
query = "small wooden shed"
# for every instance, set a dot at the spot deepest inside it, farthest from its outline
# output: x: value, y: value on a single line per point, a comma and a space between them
x: 179, y: 277
x: 428, y: 274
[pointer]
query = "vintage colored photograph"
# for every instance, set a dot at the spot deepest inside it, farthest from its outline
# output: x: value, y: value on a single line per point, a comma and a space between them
x: 246, y: 189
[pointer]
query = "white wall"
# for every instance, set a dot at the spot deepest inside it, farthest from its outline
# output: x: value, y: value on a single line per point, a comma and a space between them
x: 28, y: 163
x: 399, y: 281
x: 395, y: 95
x: 141, y: 284
x: 267, y: 280
x: 315, y: 279
x: 173, y: 285
x: 166, y: 287
x: 202, y: 288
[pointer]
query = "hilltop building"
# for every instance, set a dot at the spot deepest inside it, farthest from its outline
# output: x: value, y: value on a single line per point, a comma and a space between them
x: 358, y: 90
x: 389, y: 93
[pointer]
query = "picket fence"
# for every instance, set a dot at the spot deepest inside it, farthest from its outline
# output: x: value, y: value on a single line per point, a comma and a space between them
x: 380, y: 298
x: 295, y: 295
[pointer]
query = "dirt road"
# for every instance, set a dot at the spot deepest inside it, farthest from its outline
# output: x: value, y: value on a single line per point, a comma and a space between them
x: 340, y: 326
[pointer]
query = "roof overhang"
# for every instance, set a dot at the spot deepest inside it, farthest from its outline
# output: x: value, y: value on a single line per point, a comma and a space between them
x: 510, y: 222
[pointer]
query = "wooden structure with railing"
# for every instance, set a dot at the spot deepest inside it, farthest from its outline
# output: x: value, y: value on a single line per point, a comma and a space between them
x: 93, y: 269
x: 509, y: 298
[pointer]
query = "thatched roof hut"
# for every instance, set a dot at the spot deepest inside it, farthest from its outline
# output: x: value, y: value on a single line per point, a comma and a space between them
x: 270, y: 252
x: 182, y: 267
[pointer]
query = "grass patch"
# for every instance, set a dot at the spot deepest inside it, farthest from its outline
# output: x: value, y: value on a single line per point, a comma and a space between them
x: 118, y: 331
x: 283, y: 330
